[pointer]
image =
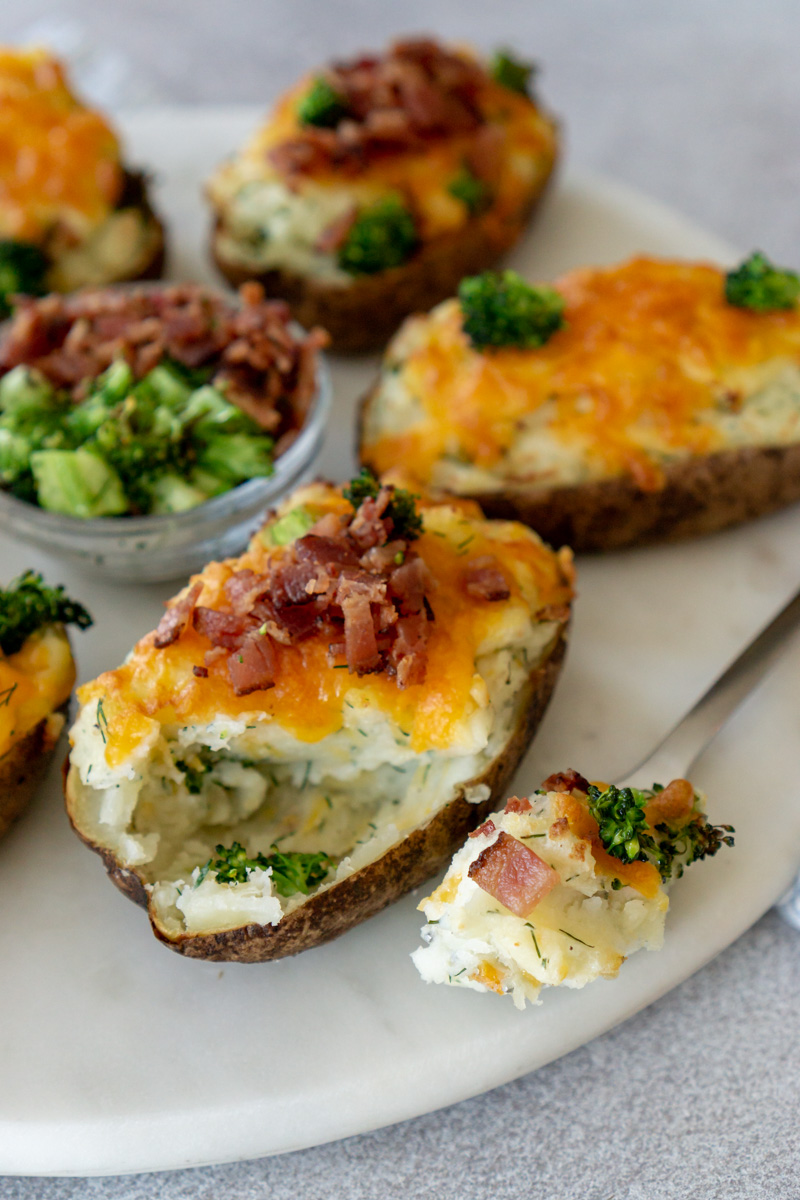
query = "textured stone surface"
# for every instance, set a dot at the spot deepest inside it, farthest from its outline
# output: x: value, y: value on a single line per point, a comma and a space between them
x: 696, y: 1097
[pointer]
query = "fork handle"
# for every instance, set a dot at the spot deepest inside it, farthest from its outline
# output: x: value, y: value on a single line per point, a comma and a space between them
x: 674, y: 756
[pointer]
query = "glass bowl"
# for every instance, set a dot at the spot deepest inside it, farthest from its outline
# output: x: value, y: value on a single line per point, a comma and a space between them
x: 155, y: 548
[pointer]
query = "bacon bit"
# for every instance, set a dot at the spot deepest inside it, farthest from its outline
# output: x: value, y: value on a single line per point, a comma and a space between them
x: 515, y: 805
x: 407, y: 656
x: 335, y: 235
x: 176, y: 618
x: 566, y: 781
x: 368, y: 528
x: 487, y: 827
x: 200, y: 672
x: 253, y: 666
x: 553, y: 612
x: 415, y: 93
x: 674, y: 804
x: 409, y: 584
x: 484, y: 578
x: 268, y: 372
x: 486, y: 156
x: 225, y: 629
x: 513, y: 874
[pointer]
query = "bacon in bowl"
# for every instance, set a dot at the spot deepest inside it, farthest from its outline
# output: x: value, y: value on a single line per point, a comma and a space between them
x: 315, y: 725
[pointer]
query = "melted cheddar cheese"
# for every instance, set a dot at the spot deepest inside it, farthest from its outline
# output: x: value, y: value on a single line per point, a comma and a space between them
x: 157, y: 687
x: 652, y: 365
x: 59, y: 160
x: 34, y: 682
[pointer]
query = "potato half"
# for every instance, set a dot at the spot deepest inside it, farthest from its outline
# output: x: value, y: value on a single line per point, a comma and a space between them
x: 173, y: 755
x: 658, y: 412
x: 468, y: 175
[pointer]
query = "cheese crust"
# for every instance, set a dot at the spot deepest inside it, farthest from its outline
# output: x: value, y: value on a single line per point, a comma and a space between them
x: 653, y: 373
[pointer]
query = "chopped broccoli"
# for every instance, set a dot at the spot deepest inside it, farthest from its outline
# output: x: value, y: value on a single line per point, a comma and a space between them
x: 624, y: 832
x: 383, y: 235
x: 322, y: 105
x: 22, y: 270
x: 290, y: 526
x: 473, y: 193
x: 760, y: 286
x: 28, y: 604
x: 511, y: 72
x: 401, y: 509
x: 501, y: 309
x: 78, y: 483
x: 292, y: 871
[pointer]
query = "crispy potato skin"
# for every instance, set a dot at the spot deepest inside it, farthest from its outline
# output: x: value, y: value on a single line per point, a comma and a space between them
x: 23, y: 766
x: 367, y: 891
x: 136, y: 189
x: 363, y: 315
x: 699, y: 496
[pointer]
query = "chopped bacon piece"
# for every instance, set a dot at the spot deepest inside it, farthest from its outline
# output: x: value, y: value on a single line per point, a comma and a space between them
x: 484, y: 578
x: 335, y: 235
x: 176, y: 618
x: 513, y: 874
x: 200, y: 672
x: 252, y: 667
x: 221, y: 628
x: 409, y: 583
x: 487, y: 827
x: 674, y: 804
x: 325, y: 550
x: 566, y: 781
x: 515, y: 805
x: 408, y: 654
x: 369, y: 527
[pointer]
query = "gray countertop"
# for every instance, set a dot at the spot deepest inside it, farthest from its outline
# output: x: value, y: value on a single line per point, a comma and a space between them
x: 697, y: 104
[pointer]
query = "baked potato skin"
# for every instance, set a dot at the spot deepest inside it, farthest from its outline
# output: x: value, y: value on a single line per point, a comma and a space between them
x: 367, y: 891
x: 699, y: 496
x: 24, y: 765
x: 136, y: 194
x: 362, y: 315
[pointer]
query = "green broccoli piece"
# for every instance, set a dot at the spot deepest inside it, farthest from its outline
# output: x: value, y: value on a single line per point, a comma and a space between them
x: 473, y: 193
x: 401, y: 509
x: 292, y: 871
x: 512, y: 73
x: 290, y: 527
x: 382, y: 236
x: 78, y: 483
x: 501, y: 309
x: 23, y: 267
x: 322, y: 105
x: 28, y: 604
x: 758, y: 285
x: 624, y: 832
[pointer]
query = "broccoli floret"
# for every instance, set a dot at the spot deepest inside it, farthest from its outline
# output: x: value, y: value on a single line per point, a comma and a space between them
x: 292, y: 871
x: 511, y: 72
x: 624, y: 832
x: 383, y: 235
x: 473, y: 193
x: 501, y: 309
x: 760, y: 286
x: 22, y: 270
x: 401, y: 509
x: 28, y: 604
x: 322, y: 105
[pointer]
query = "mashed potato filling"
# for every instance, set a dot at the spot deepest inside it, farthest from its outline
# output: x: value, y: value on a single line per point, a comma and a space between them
x: 351, y: 795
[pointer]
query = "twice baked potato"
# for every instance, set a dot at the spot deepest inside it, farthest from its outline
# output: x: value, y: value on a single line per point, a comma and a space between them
x: 559, y: 888
x: 315, y: 725
x: 651, y: 400
x: 376, y: 184
x: 71, y: 212
x: 36, y: 679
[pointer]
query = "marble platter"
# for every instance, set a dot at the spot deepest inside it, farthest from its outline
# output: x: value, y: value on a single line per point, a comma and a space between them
x: 119, y: 1056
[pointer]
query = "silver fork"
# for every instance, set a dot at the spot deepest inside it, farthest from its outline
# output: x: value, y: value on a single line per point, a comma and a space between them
x: 675, y: 755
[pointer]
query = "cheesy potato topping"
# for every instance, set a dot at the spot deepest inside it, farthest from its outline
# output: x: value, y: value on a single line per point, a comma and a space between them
x: 652, y: 366
x: 59, y: 160
x: 166, y: 764
x: 268, y: 221
x: 598, y: 913
x: 33, y: 683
